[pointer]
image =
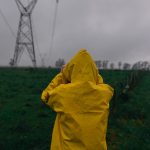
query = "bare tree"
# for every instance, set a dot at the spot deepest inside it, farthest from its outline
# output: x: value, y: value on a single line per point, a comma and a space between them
x: 11, y: 62
x: 119, y: 65
x: 98, y: 63
x: 105, y: 64
x: 126, y: 66
x: 145, y: 65
x: 141, y: 65
x: 112, y: 66
x: 148, y: 67
x: 136, y: 66
x: 60, y: 62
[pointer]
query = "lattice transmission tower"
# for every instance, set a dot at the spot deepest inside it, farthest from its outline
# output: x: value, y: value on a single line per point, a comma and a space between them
x: 24, y: 39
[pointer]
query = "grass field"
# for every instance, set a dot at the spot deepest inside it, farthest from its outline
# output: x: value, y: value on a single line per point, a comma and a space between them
x: 26, y: 123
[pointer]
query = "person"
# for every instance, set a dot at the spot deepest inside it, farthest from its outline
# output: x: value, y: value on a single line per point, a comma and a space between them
x: 81, y: 100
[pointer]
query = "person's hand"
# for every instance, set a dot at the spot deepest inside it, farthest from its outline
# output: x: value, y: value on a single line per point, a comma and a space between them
x: 45, y: 96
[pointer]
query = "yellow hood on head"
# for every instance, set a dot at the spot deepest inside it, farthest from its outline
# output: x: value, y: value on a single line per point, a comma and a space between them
x: 81, y: 68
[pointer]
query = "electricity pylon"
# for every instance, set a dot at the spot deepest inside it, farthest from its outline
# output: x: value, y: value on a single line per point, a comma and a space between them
x: 24, y: 39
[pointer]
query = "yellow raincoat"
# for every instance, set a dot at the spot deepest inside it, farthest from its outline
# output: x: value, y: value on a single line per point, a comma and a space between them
x: 81, y: 101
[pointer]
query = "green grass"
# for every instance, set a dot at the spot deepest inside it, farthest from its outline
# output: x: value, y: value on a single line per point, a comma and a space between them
x: 26, y: 123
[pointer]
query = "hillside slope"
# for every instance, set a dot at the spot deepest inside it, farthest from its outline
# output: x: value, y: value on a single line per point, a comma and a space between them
x: 26, y: 123
x: 129, y: 126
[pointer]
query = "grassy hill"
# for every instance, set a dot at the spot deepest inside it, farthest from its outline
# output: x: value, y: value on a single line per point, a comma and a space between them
x: 26, y: 123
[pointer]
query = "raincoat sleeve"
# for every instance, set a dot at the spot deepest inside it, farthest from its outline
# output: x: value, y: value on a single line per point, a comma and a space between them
x: 105, y: 87
x: 100, y: 79
x: 57, y: 80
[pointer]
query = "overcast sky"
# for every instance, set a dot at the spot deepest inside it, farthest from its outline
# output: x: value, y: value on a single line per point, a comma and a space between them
x: 114, y: 30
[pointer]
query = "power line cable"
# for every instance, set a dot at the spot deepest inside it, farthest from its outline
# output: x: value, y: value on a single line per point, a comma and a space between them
x: 8, y: 25
x: 53, y: 28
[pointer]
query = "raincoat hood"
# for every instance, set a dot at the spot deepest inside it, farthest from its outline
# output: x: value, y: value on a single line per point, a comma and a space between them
x: 81, y: 68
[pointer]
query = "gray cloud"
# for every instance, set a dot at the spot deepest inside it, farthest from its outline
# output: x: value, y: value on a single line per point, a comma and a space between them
x: 110, y: 29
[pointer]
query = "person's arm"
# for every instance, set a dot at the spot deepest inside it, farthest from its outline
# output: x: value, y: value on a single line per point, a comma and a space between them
x: 53, y: 84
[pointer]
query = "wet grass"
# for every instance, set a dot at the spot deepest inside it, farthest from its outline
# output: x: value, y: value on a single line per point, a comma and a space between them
x: 26, y: 123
